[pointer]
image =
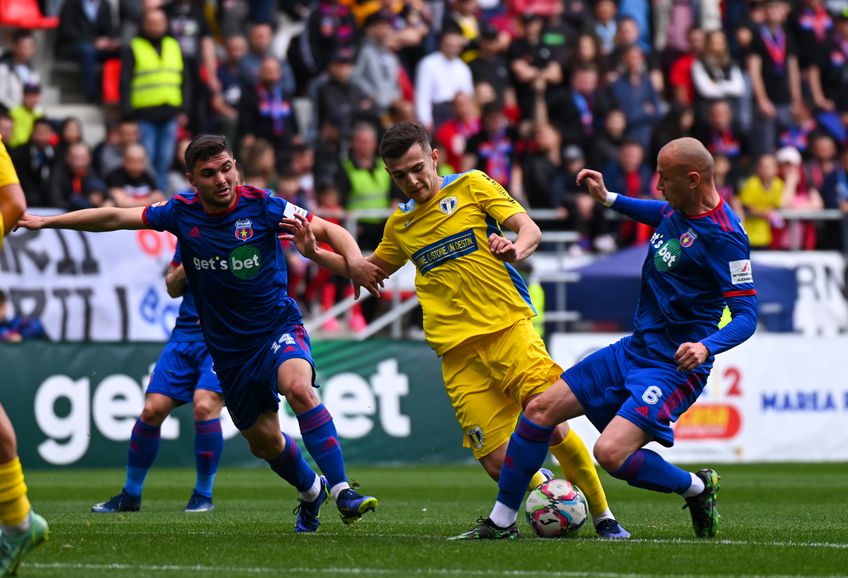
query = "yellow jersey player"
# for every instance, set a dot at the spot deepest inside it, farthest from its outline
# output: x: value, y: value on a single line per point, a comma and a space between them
x: 477, y: 310
x: 23, y: 529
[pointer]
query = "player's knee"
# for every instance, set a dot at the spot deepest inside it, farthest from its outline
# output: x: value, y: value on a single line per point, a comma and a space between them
x: 206, y: 409
x: 609, y: 456
x: 153, y: 414
x: 540, y: 412
x: 300, y: 395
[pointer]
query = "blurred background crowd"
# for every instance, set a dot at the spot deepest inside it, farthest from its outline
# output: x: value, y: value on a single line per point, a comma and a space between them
x: 529, y: 91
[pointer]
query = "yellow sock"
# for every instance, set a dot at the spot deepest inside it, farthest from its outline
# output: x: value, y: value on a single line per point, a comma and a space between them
x: 14, y: 505
x: 578, y: 468
x: 537, y: 480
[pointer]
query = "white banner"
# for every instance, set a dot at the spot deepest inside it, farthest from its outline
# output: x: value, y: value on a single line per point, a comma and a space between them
x: 774, y: 398
x: 91, y: 286
x: 822, y: 307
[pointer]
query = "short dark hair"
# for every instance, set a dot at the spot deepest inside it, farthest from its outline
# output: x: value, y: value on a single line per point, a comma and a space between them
x: 20, y: 34
x: 400, y: 138
x: 205, y: 147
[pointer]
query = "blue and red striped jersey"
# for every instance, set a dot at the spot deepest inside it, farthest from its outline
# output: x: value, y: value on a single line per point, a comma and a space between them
x: 235, y: 268
x: 694, y: 266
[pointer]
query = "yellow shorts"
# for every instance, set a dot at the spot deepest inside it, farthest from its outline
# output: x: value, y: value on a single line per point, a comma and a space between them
x: 490, y: 378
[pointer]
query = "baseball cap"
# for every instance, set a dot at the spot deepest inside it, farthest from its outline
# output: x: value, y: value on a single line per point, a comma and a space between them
x: 788, y: 155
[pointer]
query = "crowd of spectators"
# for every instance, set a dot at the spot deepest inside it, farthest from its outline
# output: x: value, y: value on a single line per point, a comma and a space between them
x: 530, y: 91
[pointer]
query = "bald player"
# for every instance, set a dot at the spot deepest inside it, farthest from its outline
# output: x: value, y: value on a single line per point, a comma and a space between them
x: 697, y: 261
x: 22, y: 529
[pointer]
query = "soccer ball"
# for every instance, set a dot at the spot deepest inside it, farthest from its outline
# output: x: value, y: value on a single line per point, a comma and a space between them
x: 556, y: 509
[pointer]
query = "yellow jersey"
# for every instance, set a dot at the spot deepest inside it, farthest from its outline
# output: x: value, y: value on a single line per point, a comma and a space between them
x: 464, y: 290
x: 8, y: 176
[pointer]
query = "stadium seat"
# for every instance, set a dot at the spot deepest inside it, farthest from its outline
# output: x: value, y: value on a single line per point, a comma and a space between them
x: 24, y: 14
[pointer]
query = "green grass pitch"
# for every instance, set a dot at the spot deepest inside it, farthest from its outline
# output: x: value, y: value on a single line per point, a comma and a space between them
x: 787, y: 519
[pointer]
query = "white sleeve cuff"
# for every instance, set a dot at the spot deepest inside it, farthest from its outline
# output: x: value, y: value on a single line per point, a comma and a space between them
x: 611, y: 197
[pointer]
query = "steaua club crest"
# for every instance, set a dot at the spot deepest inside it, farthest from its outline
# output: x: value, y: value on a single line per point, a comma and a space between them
x: 687, y: 238
x: 244, y: 229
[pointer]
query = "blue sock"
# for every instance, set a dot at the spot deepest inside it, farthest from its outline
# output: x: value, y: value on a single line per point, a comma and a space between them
x: 322, y: 443
x: 525, y: 454
x: 646, y: 469
x: 144, y: 444
x: 291, y: 466
x: 208, y: 443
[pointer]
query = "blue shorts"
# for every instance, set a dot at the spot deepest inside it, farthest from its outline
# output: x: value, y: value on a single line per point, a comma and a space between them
x: 613, y: 381
x: 250, y: 385
x: 182, y: 367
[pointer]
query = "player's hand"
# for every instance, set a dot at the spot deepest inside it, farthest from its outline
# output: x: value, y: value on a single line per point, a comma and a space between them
x: 31, y: 222
x: 691, y: 355
x: 503, y: 248
x: 366, y: 274
x: 594, y: 183
x: 300, y: 233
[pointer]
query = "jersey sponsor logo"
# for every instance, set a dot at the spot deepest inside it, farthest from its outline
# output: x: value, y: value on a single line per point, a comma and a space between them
x: 667, y: 256
x: 448, y: 205
x: 244, y: 229
x: 475, y: 437
x: 687, y: 238
x: 440, y: 252
x: 740, y: 272
x: 244, y: 262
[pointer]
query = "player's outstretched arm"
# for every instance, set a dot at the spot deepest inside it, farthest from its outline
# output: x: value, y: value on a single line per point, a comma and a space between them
x: 594, y: 182
x: 12, y: 207
x: 301, y: 232
x: 347, y: 260
x: 646, y: 211
x: 94, y: 220
x: 524, y: 245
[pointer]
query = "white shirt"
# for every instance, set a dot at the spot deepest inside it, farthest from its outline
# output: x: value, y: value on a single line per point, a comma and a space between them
x: 438, y: 80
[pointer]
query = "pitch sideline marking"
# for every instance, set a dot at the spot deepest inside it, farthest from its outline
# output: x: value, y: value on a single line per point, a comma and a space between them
x: 357, y: 571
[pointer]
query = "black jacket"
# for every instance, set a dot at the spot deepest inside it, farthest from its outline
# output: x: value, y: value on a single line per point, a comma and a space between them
x: 75, y: 27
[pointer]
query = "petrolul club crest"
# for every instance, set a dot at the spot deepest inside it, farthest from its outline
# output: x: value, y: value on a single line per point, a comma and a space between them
x: 448, y: 205
x: 244, y: 229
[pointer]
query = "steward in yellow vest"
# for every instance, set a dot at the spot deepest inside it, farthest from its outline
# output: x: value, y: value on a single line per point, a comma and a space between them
x: 152, y: 75
x: 365, y: 184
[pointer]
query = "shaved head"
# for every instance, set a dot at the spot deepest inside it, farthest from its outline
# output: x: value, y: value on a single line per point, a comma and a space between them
x: 685, y: 168
x: 689, y: 154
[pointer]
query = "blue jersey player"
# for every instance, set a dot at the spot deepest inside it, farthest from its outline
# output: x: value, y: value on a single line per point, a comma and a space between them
x: 253, y: 328
x: 698, y: 260
x: 183, y: 374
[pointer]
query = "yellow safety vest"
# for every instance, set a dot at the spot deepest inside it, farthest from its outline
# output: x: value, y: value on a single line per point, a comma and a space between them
x: 157, y: 79
x: 369, y: 189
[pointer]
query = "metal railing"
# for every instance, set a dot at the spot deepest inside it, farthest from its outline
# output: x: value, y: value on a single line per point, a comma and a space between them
x: 561, y: 277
